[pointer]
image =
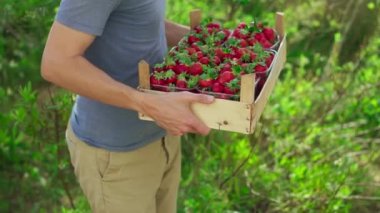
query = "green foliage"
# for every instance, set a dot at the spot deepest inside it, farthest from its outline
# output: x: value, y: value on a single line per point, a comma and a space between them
x: 315, y: 149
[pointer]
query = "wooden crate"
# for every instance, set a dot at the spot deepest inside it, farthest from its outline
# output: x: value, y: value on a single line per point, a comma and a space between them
x: 228, y: 115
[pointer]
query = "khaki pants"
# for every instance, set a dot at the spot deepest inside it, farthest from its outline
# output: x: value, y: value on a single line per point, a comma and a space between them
x: 145, y: 180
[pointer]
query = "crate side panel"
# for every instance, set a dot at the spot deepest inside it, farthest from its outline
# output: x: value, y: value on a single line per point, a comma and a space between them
x: 221, y: 114
x: 262, y: 99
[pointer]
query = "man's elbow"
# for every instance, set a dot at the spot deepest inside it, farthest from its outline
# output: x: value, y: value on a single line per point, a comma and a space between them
x: 48, y: 69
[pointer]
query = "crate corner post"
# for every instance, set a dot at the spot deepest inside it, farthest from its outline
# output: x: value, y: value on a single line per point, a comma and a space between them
x: 144, y: 73
x: 247, y: 89
x: 195, y: 18
x: 280, y: 24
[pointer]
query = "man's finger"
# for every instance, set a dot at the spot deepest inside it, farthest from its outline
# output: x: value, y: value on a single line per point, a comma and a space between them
x: 200, y: 98
x: 201, y: 127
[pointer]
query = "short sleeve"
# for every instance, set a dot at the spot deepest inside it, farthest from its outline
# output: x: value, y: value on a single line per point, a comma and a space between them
x: 88, y: 16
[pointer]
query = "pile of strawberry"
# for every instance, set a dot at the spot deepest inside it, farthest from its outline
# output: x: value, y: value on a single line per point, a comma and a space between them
x: 211, y: 59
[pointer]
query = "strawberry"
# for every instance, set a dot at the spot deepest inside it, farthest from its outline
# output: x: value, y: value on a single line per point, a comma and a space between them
x: 260, y: 71
x: 216, y: 60
x: 217, y: 87
x: 269, y: 60
x: 207, y: 78
x: 195, y: 46
x: 170, y: 77
x: 157, y: 78
x: 237, y: 69
x: 213, y: 25
x: 225, y: 67
x: 219, y: 52
x: 181, y: 68
x: 242, y: 25
x: 248, y: 56
x: 227, y: 33
x: 199, y: 55
x: 158, y: 68
x: 205, y: 60
x: 248, y: 68
x: 243, y: 43
x: 251, y: 41
x: 241, y: 33
x: 238, y: 53
x: 183, y: 63
x: 198, y: 29
x: 266, y: 44
x: 260, y: 37
x: 205, y: 82
x: 181, y: 84
x: 270, y: 35
x: 192, y: 39
x: 225, y: 77
x: 196, y: 69
x: 193, y: 82
x: 232, y: 87
x: 191, y: 50
x: 181, y: 81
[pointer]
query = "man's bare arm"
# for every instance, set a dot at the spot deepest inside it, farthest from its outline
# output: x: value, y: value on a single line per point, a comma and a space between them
x: 64, y: 65
x: 175, y: 32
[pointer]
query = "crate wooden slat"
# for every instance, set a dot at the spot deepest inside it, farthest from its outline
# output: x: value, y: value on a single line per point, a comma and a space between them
x: 230, y: 115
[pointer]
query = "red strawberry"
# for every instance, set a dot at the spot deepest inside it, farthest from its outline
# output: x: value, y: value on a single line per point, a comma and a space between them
x: 199, y: 55
x: 240, y: 33
x: 219, y: 52
x: 181, y: 84
x: 205, y: 83
x: 248, y: 68
x: 269, y: 34
x: 196, y: 69
x: 181, y: 68
x: 192, y: 39
x: 269, y: 60
x: 157, y: 78
x: 242, y: 25
x: 226, y: 77
x: 216, y: 60
x: 266, y: 44
x: 213, y: 25
x: 243, y: 43
x: 251, y: 41
x: 205, y: 60
x: 170, y: 77
x: 260, y: 37
x: 226, y: 67
x: 207, y: 78
x: 227, y: 33
x: 238, y: 53
x: 193, y: 82
x: 198, y: 29
x: 191, y: 50
x: 260, y: 71
x: 195, y: 46
x: 232, y: 87
x: 158, y: 68
x: 217, y: 87
x: 181, y: 81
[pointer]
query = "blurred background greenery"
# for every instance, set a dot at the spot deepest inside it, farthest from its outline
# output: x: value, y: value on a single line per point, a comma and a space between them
x: 316, y: 148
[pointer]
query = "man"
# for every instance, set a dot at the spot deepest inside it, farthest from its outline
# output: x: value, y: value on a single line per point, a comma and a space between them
x: 123, y: 164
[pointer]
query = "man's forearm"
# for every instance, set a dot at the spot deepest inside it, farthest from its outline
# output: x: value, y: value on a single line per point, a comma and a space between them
x: 81, y: 77
x: 175, y: 32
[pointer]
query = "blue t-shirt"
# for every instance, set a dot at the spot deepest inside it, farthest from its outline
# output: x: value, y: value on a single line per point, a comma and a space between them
x: 126, y: 31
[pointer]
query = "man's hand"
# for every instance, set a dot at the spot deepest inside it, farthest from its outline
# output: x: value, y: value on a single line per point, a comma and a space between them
x: 172, y: 111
